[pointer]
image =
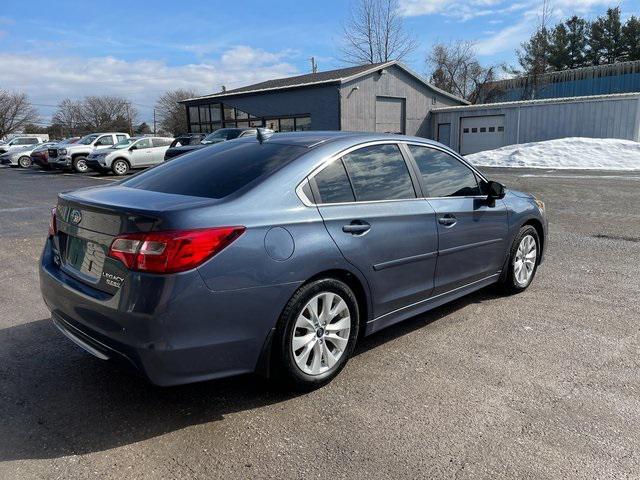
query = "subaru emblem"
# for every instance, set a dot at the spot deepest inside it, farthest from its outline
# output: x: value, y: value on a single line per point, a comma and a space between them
x: 75, y: 217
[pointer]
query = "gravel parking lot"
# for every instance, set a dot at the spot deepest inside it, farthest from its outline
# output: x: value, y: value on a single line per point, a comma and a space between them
x: 540, y: 385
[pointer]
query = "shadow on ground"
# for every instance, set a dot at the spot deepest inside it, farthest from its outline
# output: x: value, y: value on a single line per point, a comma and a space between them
x: 57, y: 401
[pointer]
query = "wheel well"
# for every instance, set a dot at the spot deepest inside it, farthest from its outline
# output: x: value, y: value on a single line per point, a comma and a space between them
x: 538, y: 226
x: 354, y: 284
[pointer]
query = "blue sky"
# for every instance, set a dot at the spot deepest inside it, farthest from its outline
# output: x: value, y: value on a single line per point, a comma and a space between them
x: 68, y: 49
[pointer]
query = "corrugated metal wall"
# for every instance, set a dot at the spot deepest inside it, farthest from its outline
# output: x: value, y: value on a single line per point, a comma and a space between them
x: 599, y: 118
x: 358, y: 107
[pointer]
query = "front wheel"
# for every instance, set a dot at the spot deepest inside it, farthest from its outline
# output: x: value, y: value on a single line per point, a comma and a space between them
x: 523, y: 261
x: 316, y: 334
x: 80, y: 165
x: 120, y: 167
x: 24, y: 162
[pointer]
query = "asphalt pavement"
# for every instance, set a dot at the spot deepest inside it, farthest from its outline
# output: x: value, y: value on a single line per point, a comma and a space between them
x: 544, y: 384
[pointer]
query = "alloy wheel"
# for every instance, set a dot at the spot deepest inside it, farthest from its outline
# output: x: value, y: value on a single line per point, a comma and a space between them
x: 120, y: 167
x: 321, y: 333
x: 525, y: 261
x: 81, y: 165
x: 24, y: 162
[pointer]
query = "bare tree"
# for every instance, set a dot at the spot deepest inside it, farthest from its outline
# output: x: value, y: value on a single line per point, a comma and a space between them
x: 16, y: 111
x: 172, y: 115
x: 375, y: 33
x: 95, y: 114
x: 455, y: 69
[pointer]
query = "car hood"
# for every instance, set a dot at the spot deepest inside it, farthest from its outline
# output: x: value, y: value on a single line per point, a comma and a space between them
x: 188, y: 148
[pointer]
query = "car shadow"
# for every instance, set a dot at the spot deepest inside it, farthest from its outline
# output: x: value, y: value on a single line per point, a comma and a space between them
x: 57, y: 400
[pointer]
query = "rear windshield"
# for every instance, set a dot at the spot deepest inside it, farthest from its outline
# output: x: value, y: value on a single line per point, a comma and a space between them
x: 216, y: 171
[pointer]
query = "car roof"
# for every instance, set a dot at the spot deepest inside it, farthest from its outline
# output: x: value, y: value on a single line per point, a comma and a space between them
x: 311, y: 139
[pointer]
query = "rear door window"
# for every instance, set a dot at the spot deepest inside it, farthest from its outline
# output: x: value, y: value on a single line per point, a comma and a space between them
x: 444, y: 175
x: 218, y: 170
x: 105, y: 140
x: 333, y: 184
x: 379, y: 172
x: 144, y: 143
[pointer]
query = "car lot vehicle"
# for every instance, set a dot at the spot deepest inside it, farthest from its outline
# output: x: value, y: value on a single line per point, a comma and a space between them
x: 220, y: 135
x: 132, y: 153
x: 74, y: 156
x: 274, y: 255
x: 18, y: 143
x: 21, y: 157
x: 188, y: 139
x: 40, y: 155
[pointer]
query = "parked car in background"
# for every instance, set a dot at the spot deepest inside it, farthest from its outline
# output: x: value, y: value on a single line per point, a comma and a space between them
x: 221, y: 135
x: 131, y: 153
x: 74, y: 156
x: 21, y: 157
x: 188, y: 139
x: 40, y: 155
x: 274, y: 255
x: 20, y: 142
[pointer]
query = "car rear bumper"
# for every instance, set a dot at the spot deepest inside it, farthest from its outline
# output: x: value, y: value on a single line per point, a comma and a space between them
x: 171, y: 328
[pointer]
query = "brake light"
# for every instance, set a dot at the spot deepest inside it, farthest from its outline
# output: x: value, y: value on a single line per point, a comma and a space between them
x: 53, y: 227
x: 171, y: 251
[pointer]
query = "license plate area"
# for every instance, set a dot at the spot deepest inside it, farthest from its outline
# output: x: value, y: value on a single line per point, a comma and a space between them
x: 85, y: 257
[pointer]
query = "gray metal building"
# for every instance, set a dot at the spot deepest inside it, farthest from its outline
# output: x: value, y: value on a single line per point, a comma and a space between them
x: 474, y: 128
x: 384, y: 97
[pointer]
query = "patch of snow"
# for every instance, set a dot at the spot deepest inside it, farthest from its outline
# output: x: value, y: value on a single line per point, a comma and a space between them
x: 564, y: 153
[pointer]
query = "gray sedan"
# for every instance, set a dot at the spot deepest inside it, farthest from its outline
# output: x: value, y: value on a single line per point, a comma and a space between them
x: 135, y: 152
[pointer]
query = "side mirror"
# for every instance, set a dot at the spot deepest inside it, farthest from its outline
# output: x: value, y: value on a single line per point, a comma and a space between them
x: 495, y: 190
x: 132, y: 148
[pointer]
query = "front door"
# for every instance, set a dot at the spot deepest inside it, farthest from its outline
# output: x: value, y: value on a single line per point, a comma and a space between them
x: 371, y: 210
x: 142, y: 155
x: 471, y: 231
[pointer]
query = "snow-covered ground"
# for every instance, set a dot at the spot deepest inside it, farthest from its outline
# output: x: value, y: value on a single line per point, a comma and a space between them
x: 571, y: 152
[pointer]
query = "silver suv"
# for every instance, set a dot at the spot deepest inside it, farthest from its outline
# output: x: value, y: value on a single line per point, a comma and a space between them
x: 18, y: 143
x: 134, y: 152
x: 74, y: 156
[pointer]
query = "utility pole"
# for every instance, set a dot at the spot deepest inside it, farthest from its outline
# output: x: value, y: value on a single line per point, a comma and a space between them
x: 129, y: 117
x: 154, y: 121
x: 314, y: 65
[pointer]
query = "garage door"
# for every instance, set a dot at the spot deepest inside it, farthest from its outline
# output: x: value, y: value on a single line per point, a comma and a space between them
x: 481, y: 133
x: 389, y: 115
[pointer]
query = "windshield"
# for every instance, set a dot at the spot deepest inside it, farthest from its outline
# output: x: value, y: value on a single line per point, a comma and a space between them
x: 126, y: 143
x: 87, y: 139
x: 221, y: 135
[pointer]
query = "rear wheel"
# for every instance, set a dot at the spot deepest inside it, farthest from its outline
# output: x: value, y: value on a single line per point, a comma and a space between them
x: 316, y: 334
x: 80, y: 165
x: 523, y: 261
x: 24, y: 161
x: 120, y: 167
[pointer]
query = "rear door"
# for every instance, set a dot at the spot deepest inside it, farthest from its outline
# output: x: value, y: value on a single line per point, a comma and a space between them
x: 370, y: 206
x: 471, y: 231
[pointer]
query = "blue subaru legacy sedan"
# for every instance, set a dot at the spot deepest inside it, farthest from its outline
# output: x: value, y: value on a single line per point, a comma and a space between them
x: 274, y: 255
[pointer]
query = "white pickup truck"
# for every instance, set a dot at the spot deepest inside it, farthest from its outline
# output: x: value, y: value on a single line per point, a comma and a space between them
x: 74, y: 156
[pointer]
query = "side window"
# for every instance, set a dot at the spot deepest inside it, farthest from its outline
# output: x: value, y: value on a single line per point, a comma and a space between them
x: 333, y: 184
x: 444, y: 175
x: 105, y: 140
x: 121, y: 137
x: 32, y: 141
x: 160, y: 142
x: 379, y: 172
x: 144, y: 143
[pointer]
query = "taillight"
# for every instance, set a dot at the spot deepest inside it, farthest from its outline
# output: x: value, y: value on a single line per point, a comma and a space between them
x: 171, y: 251
x: 53, y: 228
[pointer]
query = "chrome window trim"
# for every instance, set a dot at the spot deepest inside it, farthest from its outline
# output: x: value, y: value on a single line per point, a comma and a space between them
x: 331, y: 158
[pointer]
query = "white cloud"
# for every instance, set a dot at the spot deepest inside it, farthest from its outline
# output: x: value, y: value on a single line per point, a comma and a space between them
x: 463, y: 10
x: 48, y: 80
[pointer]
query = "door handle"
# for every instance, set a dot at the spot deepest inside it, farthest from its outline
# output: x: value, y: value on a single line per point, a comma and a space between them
x: 448, y: 220
x: 357, y: 227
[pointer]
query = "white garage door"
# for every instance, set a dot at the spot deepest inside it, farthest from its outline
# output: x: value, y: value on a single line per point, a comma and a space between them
x: 481, y: 133
x: 389, y: 115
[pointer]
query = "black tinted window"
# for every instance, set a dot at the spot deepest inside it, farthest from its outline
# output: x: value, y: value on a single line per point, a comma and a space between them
x: 333, y: 184
x: 444, y: 175
x: 216, y: 171
x: 379, y: 172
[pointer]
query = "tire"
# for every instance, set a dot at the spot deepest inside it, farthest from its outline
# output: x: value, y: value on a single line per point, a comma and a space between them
x: 79, y: 165
x: 321, y: 341
x: 521, y: 272
x: 24, y: 162
x: 120, y: 167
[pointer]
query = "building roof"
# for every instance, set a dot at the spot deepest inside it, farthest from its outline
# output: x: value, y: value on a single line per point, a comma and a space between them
x: 524, y: 103
x: 339, y: 76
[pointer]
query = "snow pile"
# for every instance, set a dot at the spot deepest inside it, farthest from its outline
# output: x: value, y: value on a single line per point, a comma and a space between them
x: 571, y: 152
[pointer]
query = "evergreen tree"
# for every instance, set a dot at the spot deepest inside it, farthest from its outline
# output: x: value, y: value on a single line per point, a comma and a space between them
x: 559, y: 56
x: 577, y: 36
x: 143, y: 129
x: 631, y: 38
x: 605, y: 39
x: 533, y: 55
